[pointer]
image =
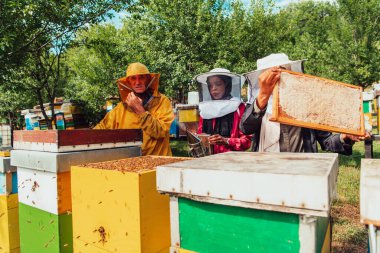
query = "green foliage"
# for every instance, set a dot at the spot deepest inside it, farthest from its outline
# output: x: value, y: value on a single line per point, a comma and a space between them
x: 178, y: 39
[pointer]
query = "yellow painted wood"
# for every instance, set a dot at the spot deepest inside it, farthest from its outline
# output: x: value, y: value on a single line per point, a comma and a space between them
x: 64, y: 192
x: 81, y: 246
x: 327, y: 242
x: 5, y: 153
x: 9, y: 225
x: 154, y: 215
x: 125, y: 205
x: 188, y: 115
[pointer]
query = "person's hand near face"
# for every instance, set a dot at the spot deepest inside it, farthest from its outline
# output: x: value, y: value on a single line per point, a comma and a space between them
x: 217, y: 87
x: 135, y: 103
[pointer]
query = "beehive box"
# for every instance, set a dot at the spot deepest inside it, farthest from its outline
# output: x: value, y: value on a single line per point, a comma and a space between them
x: 44, y: 232
x: 251, y: 202
x: 116, y: 207
x: 44, y: 180
x: 76, y: 140
x: 187, y: 113
x: 318, y: 103
x: 370, y: 192
x: 9, y: 225
x: 187, y: 118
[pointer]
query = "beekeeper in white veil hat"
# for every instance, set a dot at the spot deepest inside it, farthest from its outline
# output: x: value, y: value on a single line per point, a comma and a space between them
x: 221, y: 110
x: 275, y: 137
x: 211, y: 108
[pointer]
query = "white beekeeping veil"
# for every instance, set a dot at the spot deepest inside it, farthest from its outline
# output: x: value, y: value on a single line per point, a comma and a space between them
x: 265, y: 63
x: 211, y: 108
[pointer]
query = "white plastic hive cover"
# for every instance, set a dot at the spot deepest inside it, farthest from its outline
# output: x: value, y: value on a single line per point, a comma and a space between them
x: 370, y: 191
x: 284, y: 180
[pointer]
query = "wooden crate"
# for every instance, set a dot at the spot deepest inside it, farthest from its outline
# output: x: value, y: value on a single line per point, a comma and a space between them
x: 318, y: 103
x: 118, y: 210
x: 9, y: 224
x: 76, y: 140
x: 251, y: 202
x: 44, y: 232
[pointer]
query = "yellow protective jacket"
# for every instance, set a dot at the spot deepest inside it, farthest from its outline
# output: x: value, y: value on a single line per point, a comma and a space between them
x: 155, y: 123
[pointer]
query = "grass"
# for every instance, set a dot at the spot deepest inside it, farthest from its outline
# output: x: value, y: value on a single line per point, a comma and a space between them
x: 349, y: 235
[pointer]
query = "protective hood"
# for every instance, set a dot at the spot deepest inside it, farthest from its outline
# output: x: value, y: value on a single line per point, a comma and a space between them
x: 218, y: 108
x: 137, y: 69
x: 215, y: 108
x: 265, y: 63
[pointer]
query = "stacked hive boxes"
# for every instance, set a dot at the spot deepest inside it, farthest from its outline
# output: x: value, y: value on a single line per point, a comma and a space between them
x: 9, y: 229
x: 250, y: 202
x: 43, y: 160
x: 370, y: 201
x: 116, y: 207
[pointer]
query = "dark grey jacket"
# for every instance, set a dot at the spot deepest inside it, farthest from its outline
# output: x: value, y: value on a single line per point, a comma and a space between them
x: 251, y: 124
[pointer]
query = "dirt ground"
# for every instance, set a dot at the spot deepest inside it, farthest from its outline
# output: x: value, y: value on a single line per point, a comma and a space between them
x: 352, y: 234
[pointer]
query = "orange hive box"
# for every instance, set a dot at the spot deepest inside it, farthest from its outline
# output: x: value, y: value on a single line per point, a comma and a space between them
x: 318, y: 103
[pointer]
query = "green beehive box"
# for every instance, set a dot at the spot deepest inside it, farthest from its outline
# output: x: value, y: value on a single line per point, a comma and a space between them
x: 251, y: 202
x: 44, y: 232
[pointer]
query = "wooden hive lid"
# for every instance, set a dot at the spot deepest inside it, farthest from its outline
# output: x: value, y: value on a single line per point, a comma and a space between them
x: 76, y: 140
x: 287, y: 182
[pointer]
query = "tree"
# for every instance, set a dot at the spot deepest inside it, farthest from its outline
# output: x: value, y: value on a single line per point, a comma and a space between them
x: 42, y: 32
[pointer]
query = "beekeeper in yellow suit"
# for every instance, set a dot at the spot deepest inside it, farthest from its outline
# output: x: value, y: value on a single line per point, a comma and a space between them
x: 142, y: 107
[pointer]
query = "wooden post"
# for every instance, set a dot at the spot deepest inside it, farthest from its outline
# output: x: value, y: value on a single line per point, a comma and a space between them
x: 368, y: 148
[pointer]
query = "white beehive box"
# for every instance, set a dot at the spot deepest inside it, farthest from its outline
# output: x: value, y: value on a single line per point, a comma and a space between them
x: 44, y: 178
x: 285, y: 182
x: 370, y: 192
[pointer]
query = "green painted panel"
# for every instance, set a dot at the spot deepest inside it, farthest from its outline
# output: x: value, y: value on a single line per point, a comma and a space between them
x: 210, y: 228
x: 322, y: 225
x: 367, y: 106
x: 44, y: 232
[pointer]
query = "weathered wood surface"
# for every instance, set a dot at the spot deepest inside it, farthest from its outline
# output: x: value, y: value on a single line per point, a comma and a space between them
x: 288, y: 182
x: 318, y: 103
x: 76, y: 140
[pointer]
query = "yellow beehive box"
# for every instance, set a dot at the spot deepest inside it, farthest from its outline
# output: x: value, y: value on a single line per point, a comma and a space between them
x: 9, y: 228
x: 116, y: 207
